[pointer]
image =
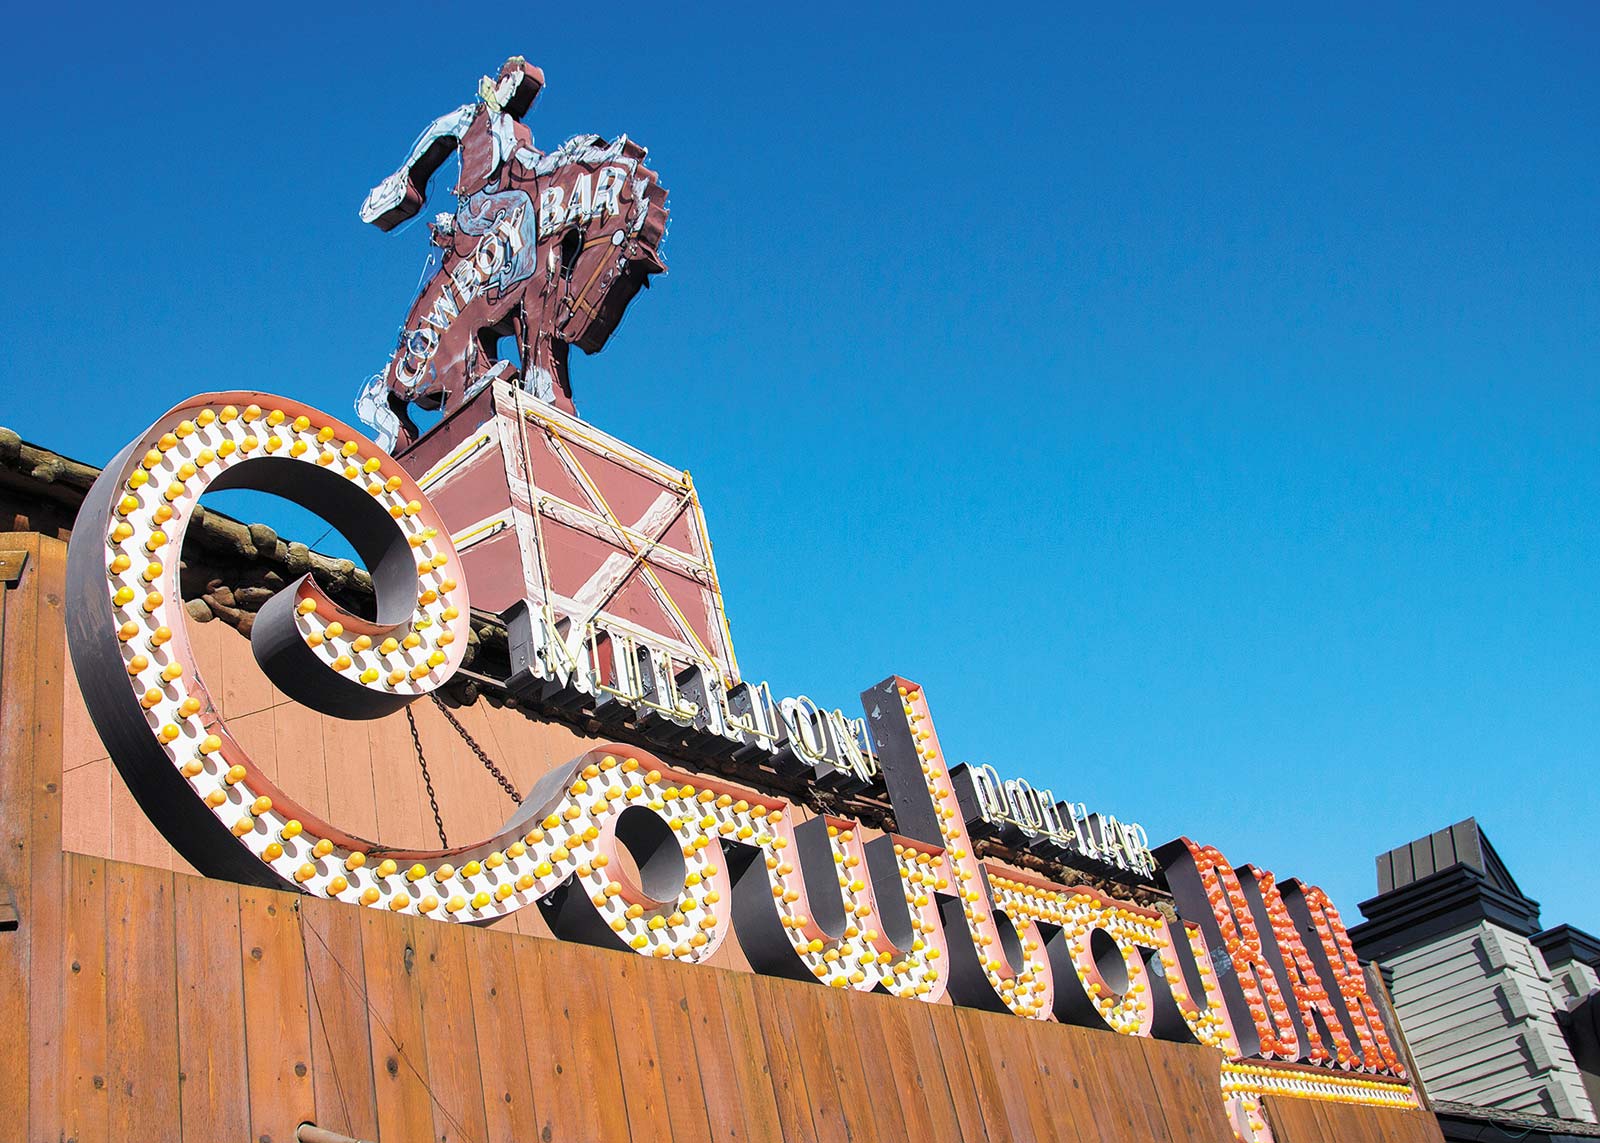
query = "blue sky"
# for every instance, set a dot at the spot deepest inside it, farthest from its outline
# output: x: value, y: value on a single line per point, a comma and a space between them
x: 1205, y: 411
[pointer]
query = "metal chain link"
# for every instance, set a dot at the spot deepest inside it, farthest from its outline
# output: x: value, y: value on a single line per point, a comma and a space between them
x: 427, y: 779
x: 505, y: 783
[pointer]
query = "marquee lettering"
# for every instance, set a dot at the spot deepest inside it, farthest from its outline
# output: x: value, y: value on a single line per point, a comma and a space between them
x: 1335, y: 958
x: 1053, y: 827
x: 918, y: 916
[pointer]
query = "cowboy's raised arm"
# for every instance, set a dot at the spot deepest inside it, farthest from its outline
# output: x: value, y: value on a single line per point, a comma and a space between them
x: 402, y: 194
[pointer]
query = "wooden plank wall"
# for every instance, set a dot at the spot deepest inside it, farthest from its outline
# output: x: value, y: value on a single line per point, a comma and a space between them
x: 199, y: 1010
x: 145, y: 1003
x: 1308, y: 1121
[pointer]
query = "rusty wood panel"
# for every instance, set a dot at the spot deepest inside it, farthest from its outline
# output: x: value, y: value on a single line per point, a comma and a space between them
x: 347, y: 756
x: 802, y: 1114
x: 462, y: 800
x: 572, y: 1049
x: 245, y: 689
x: 752, y: 1070
x: 394, y: 1027
x: 664, y: 994
x: 13, y: 559
x: 619, y: 976
x: 927, y: 1108
x: 798, y: 1021
x: 721, y: 1092
x: 141, y: 1003
x: 277, y: 1014
x: 1072, y: 1084
x: 1293, y: 1121
x: 1128, y: 1084
x: 1314, y: 1121
x: 836, y: 1029
x: 1058, y: 1060
x: 404, y: 820
x: 133, y: 837
x: 1024, y: 1046
x: 18, y: 663
x: 451, y: 1038
x: 1346, y: 1129
x: 86, y: 808
x: 1009, y: 1060
x: 1298, y: 1121
x: 211, y: 1028
x: 944, y: 1067
x: 951, y: 1031
x: 1419, y: 1126
x: 336, y: 988
x: 1410, y: 1126
x: 899, y: 1113
x: 1188, y: 1078
x: 1111, y: 1107
x: 503, y: 1047
x: 84, y: 1102
x: 1141, y: 1084
x: 472, y: 802
x: 47, y: 872
x: 298, y: 733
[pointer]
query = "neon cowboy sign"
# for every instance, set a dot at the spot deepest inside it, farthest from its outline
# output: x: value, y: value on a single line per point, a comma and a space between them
x: 1255, y: 968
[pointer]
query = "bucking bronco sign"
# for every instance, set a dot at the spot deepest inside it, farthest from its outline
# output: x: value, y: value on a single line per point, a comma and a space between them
x: 595, y: 558
x: 543, y: 250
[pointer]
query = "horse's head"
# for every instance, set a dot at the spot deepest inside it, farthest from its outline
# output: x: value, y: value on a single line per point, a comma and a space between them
x: 543, y: 252
x: 602, y: 218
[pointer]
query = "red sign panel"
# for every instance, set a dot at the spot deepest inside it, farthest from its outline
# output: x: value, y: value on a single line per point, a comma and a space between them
x: 588, y: 528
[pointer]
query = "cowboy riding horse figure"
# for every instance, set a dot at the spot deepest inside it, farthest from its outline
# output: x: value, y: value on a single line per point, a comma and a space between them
x: 543, y: 250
